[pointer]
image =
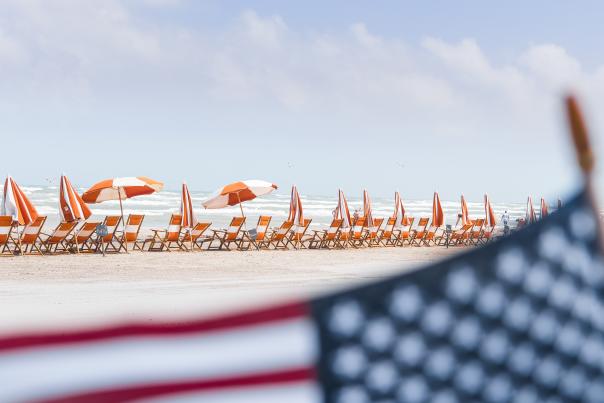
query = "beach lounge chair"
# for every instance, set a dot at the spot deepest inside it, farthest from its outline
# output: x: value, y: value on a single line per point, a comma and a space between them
x: 277, y: 238
x: 371, y: 237
x: 6, y: 235
x: 253, y: 237
x: 474, y: 238
x: 389, y: 236
x: 432, y: 236
x: 296, y: 238
x: 166, y: 239
x: 30, y: 237
x: 487, y: 233
x: 405, y: 232
x: 459, y: 236
x: 417, y: 236
x: 356, y: 238
x: 110, y: 242
x: 57, y: 241
x: 195, y: 237
x: 82, y: 240
x: 134, y: 222
x: 325, y: 238
x: 224, y: 238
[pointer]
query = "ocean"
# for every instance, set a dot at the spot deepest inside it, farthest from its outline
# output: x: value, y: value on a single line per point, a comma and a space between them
x: 158, y: 207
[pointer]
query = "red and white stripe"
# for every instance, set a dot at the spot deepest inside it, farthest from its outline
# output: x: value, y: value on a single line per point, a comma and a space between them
x: 296, y: 213
x: 265, y: 356
x: 490, y: 219
x: 188, y: 219
x: 121, y: 189
x: 399, y: 216
x: 71, y: 205
x: 342, y: 210
x: 16, y: 204
x: 238, y: 192
x: 531, y: 217
x: 367, y: 209
x: 544, y: 209
x: 465, y: 214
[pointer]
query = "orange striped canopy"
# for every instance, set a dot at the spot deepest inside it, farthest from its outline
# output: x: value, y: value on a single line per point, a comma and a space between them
x: 238, y: 192
x: 367, y: 209
x: 531, y: 217
x: 121, y: 188
x: 16, y: 204
x: 438, y: 217
x: 71, y: 205
x: 186, y: 208
x: 490, y: 219
x: 544, y: 209
x: 465, y: 215
x: 296, y: 213
x: 342, y: 211
x: 399, y: 215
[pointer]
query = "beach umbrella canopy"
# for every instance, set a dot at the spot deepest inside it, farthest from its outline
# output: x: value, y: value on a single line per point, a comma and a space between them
x: 531, y: 217
x: 121, y: 189
x: 342, y: 211
x: 238, y: 192
x: 16, y: 204
x: 71, y: 205
x: 465, y: 215
x: 489, y: 212
x: 186, y: 208
x: 296, y: 213
x: 399, y: 215
x: 438, y: 217
x: 544, y: 209
x: 367, y: 209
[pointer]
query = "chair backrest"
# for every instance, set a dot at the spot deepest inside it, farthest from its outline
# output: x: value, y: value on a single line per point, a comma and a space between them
x: 332, y: 231
x: 282, y: 231
x: 377, y: 224
x: 407, y: 228
x: 61, y: 232
x: 422, y: 224
x: 431, y: 231
x: 174, y: 227
x: 197, y: 231
x: 133, y: 226
x: 389, y: 227
x: 234, y: 228
x: 6, y: 227
x: 301, y: 230
x: 357, y: 228
x: 111, y: 221
x: 263, y: 222
x: 461, y: 231
x: 32, y: 231
x: 86, y: 231
x: 477, y: 227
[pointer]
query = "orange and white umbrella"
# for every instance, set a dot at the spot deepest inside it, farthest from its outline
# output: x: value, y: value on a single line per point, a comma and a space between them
x: 16, y: 204
x: 465, y: 215
x: 400, y: 218
x: 544, y: 209
x: 186, y: 209
x: 490, y: 219
x: 296, y: 214
x: 238, y: 192
x: 71, y: 205
x: 367, y: 210
x: 531, y: 217
x: 342, y: 211
x: 438, y: 217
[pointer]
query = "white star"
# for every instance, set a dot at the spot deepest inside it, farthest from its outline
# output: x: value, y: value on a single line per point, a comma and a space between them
x: 379, y: 334
x: 491, y: 300
x: 346, y: 318
x: 494, y: 348
x: 382, y: 377
x: 511, y: 265
x: 352, y: 394
x: 406, y: 303
x: 437, y: 319
x: 413, y: 390
x: 498, y: 389
x: 538, y: 279
x: 519, y: 314
x: 552, y: 244
x: 349, y: 362
x: 523, y: 359
x: 462, y: 284
x: 467, y: 333
x: 583, y: 224
x: 410, y: 349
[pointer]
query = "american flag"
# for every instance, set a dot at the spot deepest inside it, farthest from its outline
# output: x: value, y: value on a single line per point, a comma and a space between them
x: 519, y: 320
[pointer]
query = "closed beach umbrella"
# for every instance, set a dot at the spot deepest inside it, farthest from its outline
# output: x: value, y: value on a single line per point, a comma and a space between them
x: 531, y: 217
x: 490, y: 219
x: 188, y: 220
x: 121, y: 189
x: 296, y: 213
x: 237, y: 193
x: 544, y: 210
x: 342, y: 211
x: 465, y: 215
x: 16, y: 204
x: 367, y: 210
x: 438, y: 217
x: 71, y: 205
x: 400, y: 217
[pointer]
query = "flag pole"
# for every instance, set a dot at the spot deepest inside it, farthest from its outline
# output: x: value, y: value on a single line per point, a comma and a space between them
x: 584, y: 152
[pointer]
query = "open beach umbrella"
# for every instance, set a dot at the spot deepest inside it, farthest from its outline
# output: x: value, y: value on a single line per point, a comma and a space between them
x: 367, y: 210
x: 188, y: 220
x: 399, y: 215
x: 531, y: 217
x: 296, y: 213
x: 342, y: 211
x: 465, y: 215
x: 71, y: 205
x: 544, y: 210
x: 16, y: 204
x: 237, y: 193
x: 438, y: 217
x: 490, y: 219
x: 121, y: 189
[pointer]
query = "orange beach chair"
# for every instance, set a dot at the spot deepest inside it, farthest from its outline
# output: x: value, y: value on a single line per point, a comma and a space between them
x: 251, y: 238
x: 226, y: 237
x: 30, y: 237
x: 325, y: 238
x: 6, y: 235
x: 57, y: 241
x: 166, y: 239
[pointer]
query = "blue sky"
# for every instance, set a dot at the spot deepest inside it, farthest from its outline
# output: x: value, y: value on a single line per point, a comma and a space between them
x: 417, y: 96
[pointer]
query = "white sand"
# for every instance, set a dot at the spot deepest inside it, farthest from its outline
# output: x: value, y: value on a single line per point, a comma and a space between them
x: 42, y: 292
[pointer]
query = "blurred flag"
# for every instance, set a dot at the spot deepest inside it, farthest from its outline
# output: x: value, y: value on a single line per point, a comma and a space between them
x: 516, y: 319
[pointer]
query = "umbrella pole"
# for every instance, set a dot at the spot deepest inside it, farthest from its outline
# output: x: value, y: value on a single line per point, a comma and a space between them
x: 119, y: 194
x: 241, y: 208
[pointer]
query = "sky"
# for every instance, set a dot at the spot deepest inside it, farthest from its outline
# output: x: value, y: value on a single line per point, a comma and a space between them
x: 456, y: 97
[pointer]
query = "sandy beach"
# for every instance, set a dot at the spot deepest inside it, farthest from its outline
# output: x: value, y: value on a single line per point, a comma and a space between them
x: 43, y: 292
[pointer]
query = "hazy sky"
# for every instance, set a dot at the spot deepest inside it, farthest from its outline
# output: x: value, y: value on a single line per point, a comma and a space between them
x: 455, y: 96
